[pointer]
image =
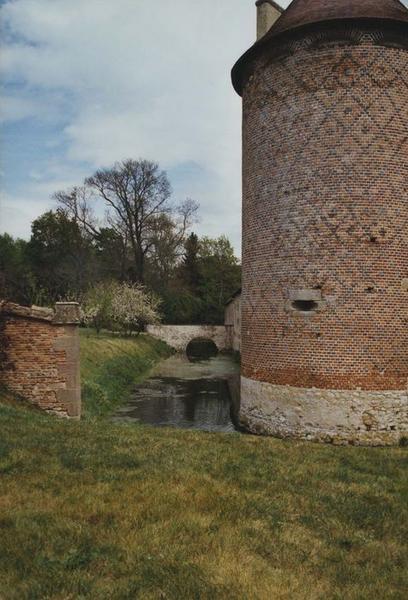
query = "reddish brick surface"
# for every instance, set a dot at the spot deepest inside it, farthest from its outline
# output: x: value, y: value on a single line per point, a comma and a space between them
x: 325, y: 174
x: 41, y: 360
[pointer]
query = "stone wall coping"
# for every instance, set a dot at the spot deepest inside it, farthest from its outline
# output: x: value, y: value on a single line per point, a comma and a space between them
x: 29, y: 312
x: 42, y: 313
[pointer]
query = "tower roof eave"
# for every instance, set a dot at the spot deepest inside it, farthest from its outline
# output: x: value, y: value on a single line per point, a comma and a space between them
x: 304, y: 13
x: 237, y: 72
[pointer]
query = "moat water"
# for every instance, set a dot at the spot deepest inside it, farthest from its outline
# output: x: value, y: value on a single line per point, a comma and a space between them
x: 185, y: 393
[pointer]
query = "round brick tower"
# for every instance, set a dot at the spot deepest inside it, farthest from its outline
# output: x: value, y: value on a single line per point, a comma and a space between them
x: 325, y: 223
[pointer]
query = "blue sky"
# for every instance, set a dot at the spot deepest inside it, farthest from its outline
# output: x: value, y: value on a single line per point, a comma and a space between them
x: 89, y: 82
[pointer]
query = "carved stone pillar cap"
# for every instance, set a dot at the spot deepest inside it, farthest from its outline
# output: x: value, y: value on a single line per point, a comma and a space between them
x: 67, y: 313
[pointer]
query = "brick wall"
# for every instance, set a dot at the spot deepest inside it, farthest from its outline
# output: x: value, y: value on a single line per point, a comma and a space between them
x: 325, y: 235
x: 40, y: 359
x: 325, y: 211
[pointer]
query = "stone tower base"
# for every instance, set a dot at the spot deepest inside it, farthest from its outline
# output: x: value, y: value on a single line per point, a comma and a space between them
x: 371, y: 418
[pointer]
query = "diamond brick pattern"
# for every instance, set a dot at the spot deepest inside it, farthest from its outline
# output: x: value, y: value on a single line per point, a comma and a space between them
x: 325, y: 171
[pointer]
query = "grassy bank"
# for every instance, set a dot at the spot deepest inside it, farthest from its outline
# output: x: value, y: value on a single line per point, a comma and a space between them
x: 113, y: 511
x: 110, y: 365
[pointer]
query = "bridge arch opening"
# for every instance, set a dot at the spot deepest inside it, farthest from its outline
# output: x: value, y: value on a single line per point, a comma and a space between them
x: 201, y: 348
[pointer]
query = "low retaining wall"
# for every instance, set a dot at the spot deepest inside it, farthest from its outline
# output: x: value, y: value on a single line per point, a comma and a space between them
x: 39, y: 356
x: 179, y: 336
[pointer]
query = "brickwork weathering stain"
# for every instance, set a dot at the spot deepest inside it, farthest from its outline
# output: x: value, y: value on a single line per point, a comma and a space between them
x: 325, y: 235
x: 40, y: 362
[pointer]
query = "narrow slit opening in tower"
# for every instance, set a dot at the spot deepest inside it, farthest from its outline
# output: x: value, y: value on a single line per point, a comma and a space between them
x: 304, y: 305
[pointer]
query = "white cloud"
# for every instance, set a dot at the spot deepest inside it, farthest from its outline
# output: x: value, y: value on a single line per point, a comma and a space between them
x: 18, y: 210
x: 15, y: 109
x: 16, y: 213
x: 142, y: 79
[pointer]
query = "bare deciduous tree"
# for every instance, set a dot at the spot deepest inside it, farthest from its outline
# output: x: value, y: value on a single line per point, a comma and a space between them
x: 76, y: 202
x: 135, y: 193
x: 137, y: 198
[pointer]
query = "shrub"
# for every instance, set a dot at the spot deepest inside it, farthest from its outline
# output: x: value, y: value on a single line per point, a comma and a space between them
x: 120, y: 307
x: 134, y: 308
x: 97, y: 306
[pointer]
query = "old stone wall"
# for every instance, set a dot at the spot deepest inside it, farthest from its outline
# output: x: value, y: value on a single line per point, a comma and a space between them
x: 40, y: 361
x: 233, y: 323
x: 179, y: 336
x: 324, y: 415
x: 325, y: 234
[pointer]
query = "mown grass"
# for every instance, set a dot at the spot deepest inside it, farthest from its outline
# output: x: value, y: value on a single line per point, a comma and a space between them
x: 99, y: 510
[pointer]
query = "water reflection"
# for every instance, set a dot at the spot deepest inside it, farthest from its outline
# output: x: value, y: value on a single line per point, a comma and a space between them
x: 180, y: 393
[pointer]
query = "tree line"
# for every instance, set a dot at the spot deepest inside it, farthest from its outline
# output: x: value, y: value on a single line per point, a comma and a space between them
x: 144, y: 239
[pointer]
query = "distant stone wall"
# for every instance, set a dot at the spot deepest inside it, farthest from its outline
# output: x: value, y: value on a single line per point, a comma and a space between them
x: 39, y: 356
x: 179, y: 336
x: 233, y: 323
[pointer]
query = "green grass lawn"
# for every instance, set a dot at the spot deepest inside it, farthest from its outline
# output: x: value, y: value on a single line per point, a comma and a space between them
x: 99, y: 510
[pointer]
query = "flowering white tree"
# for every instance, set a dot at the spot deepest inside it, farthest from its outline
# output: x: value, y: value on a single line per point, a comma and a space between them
x: 120, y: 306
x: 133, y: 307
x: 96, y: 306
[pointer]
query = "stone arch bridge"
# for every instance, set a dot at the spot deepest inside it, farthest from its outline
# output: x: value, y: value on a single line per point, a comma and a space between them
x: 179, y: 336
